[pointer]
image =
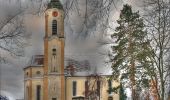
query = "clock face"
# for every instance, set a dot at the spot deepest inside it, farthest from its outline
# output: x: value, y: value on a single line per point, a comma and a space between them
x: 55, y: 14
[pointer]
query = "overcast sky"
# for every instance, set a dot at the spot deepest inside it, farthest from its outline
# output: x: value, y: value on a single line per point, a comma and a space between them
x: 11, y: 73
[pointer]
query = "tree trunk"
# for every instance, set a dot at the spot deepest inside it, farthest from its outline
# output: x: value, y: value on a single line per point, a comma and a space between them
x: 133, y: 80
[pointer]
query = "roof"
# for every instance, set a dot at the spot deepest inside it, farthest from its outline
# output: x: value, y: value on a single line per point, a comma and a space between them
x: 36, y: 61
x: 89, y: 75
x: 72, y: 67
x: 77, y: 67
x: 55, y: 4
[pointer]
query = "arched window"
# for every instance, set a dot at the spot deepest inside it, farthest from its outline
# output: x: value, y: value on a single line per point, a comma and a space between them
x: 98, y: 88
x: 110, y: 86
x: 86, y: 88
x: 38, y: 92
x: 54, y: 27
x: 74, y: 88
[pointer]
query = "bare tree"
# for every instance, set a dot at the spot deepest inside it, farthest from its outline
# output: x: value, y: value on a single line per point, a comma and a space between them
x: 12, y: 32
x: 93, y: 86
x: 94, y: 14
x: 157, y: 17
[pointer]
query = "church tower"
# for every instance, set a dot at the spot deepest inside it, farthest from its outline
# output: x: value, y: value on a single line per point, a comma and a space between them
x: 54, y: 81
x: 44, y: 77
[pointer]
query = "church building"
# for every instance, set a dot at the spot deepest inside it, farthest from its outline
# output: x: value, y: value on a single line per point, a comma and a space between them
x: 47, y: 78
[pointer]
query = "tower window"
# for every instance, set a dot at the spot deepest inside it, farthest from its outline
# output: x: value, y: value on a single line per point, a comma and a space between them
x: 74, y: 88
x: 54, y: 52
x: 54, y: 27
x: 38, y: 92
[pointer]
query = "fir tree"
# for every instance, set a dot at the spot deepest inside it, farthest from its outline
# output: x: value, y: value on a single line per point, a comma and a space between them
x: 130, y: 47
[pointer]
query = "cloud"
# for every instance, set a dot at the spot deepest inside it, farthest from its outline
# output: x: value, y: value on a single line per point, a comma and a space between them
x: 11, y: 79
x: 82, y: 43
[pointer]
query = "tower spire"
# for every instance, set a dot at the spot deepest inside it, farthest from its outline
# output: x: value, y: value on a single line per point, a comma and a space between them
x: 55, y: 4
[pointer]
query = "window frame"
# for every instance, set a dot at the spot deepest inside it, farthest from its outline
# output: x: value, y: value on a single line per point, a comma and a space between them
x: 74, y: 88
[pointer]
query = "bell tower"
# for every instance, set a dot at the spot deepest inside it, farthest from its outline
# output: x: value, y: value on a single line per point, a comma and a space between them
x: 54, y: 80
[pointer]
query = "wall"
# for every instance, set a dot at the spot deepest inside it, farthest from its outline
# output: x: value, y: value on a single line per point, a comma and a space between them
x: 81, y: 87
x: 31, y: 80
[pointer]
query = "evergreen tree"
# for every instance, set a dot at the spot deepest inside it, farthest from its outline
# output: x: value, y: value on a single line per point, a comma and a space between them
x: 130, y: 47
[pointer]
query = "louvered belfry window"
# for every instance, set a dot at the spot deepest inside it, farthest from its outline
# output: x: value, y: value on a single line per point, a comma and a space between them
x: 54, y: 27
